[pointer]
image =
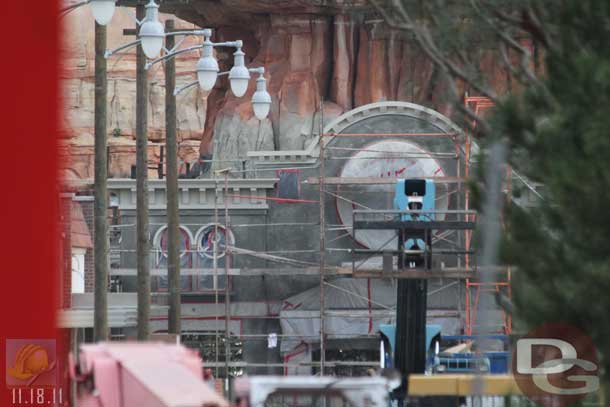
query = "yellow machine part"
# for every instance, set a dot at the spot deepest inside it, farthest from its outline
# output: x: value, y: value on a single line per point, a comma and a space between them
x: 462, y: 385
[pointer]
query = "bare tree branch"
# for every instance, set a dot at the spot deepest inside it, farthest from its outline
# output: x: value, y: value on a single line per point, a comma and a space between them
x: 506, y: 61
x: 403, y: 12
x: 425, y: 40
x: 500, y: 32
x: 456, y: 63
x: 389, y: 19
x: 537, y: 29
x: 514, y: 21
x: 475, y: 120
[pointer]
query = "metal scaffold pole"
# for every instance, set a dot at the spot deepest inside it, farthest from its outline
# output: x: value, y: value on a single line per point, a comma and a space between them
x: 227, y: 292
x: 100, y: 248
x: 322, y: 244
x: 142, y: 191
x: 215, y: 266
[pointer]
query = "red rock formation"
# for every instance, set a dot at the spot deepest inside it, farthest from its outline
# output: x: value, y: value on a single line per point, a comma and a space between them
x: 78, y: 86
x: 312, y: 50
x: 345, y: 60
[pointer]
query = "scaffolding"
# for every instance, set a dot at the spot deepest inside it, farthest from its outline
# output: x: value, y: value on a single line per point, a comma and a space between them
x: 453, y: 234
x: 474, y: 288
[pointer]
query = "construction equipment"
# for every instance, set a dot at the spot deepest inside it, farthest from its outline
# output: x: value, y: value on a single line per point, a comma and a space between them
x: 459, y: 358
x: 416, y: 195
x: 388, y: 343
x: 411, y: 303
x: 119, y: 374
x: 359, y: 391
x: 463, y: 359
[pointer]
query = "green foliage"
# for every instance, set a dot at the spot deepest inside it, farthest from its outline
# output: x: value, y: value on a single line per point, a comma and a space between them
x: 559, y: 135
x: 556, y: 122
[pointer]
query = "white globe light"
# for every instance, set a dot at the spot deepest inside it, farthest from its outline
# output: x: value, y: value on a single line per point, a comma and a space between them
x: 239, y: 77
x: 102, y: 10
x: 151, y: 36
x: 261, y: 100
x: 207, y: 72
x: 261, y: 110
x: 261, y: 104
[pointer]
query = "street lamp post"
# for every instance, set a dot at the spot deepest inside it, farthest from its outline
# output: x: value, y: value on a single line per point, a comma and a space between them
x: 142, y: 226
x: 150, y: 38
x: 100, y: 245
x: 171, y: 179
x: 207, y: 74
x: 102, y: 10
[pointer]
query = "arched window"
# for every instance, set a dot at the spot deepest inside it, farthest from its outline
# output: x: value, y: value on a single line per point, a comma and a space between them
x: 211, y: 242
x: 160, y: 243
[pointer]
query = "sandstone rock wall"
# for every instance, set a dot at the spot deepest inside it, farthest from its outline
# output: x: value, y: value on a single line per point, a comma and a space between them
x: 78, y: 91
x: 312, y: 51
x: 344, y: 56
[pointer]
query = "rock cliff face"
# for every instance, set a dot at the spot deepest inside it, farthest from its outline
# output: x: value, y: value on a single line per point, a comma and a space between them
x: 313, y: 51
x: 78, y: 87
x: 337, y: 51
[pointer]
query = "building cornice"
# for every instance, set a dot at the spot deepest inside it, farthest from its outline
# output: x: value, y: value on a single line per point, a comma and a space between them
x: 200, y: 193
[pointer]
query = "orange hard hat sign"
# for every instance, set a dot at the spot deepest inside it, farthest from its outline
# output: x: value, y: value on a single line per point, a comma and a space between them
x: 31, y: 360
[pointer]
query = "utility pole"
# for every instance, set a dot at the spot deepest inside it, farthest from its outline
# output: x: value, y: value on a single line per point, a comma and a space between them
x: 100, y: 248
x: 142, y: 246
x: 173, y: 216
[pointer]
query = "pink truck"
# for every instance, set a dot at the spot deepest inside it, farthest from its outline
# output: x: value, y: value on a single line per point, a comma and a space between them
x: 123, y: 374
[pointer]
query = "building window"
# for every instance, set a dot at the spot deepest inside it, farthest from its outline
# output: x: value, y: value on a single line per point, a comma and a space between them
x: 211, y: 242
x: 117, y: 334
x: 160, y: 243
x: 78, y: 270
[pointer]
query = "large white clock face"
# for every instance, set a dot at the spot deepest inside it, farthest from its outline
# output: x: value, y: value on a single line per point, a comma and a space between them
x: 385, y: 159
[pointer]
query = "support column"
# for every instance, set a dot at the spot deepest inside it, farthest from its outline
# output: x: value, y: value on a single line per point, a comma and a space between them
x: 142, y: 244
x: 100, y: 245
x: 410, y: 352
x: 173, y: 215
x: 411, y: 307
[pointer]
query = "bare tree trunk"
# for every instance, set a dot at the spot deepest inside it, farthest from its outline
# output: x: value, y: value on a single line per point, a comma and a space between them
x: 142, y: 192
x: 100, y: 247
